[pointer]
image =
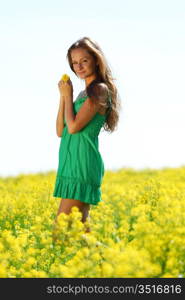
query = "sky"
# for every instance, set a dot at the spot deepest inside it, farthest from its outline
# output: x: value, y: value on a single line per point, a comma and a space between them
x: 144, y: 44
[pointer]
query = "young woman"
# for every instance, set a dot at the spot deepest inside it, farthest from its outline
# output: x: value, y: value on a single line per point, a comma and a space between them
x: 81, y: 168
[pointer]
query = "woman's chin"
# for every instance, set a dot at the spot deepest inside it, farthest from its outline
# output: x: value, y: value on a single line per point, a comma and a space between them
x: 82, y: 76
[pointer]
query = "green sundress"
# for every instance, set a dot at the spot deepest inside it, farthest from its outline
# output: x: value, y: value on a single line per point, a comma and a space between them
x: 81, y: 168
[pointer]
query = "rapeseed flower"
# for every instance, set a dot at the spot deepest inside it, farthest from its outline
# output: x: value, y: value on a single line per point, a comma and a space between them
x: 136, y: 231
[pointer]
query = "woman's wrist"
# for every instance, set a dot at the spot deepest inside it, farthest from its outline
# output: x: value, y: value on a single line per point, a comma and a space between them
x: 61, y: 98
x: 67, y: 98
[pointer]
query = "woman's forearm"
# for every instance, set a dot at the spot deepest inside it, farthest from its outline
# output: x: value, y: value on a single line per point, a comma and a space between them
x: 60, y: 118
x: 69, y: 112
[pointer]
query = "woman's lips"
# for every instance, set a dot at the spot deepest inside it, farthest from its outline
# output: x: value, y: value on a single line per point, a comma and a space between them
x: 81, y: 72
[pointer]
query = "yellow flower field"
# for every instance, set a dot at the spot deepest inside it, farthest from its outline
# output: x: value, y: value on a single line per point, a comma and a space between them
x: 138, y: 230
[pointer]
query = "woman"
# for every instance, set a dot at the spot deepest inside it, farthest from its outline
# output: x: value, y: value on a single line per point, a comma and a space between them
x: 81, y: 168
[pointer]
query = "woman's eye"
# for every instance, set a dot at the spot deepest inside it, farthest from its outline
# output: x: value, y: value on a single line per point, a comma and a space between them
x: 85, y: 60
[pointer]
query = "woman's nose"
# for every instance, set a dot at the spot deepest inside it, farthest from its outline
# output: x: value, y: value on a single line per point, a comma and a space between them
x: 80, y: 65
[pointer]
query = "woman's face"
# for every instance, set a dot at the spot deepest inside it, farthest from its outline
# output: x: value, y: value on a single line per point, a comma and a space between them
x: 83, y: 63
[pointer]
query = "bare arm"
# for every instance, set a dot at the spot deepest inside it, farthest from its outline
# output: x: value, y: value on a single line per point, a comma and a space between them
x: 69, y: 112
x: 84, y: 116
x: 88, y: 110
x: 60, y: 118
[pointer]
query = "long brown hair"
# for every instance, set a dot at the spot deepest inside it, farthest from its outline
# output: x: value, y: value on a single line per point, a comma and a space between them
x: 104, y: 75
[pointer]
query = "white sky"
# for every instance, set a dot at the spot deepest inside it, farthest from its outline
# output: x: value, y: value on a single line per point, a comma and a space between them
x: 144, y: 43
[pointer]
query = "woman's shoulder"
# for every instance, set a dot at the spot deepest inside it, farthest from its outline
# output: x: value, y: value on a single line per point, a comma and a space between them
x: 102, y: 86
x: 101, y: 90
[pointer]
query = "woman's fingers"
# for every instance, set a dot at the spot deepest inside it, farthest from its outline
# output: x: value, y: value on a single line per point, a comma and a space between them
x: 64, y: 82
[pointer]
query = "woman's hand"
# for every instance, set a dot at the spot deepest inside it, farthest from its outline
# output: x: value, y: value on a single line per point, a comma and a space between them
x: 65, y: 88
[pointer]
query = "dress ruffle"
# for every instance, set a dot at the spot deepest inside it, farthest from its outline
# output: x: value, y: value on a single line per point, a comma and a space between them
x: 72, y: 188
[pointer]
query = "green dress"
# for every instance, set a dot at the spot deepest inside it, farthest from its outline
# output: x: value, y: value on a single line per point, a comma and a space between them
x: 81, y: 168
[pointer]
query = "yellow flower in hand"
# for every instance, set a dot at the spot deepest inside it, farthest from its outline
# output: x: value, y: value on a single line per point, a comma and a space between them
x: 65, y: 77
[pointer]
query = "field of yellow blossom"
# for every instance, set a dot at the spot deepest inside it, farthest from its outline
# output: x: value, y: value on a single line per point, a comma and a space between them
x: 138, y: 230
